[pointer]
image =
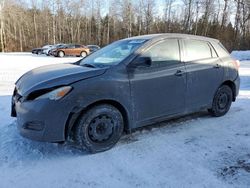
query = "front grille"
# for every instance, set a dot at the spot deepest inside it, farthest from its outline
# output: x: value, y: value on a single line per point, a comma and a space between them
x: 34, y: 125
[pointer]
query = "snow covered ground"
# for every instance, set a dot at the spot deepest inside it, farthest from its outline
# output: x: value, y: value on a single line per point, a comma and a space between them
x: 194, y: 151
x: 241, y: 55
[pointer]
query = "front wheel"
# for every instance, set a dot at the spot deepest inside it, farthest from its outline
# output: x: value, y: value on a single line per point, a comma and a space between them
x: 83, y: 54
x: 99, y: 129
x: 222, y: 101
x: 61, y: 54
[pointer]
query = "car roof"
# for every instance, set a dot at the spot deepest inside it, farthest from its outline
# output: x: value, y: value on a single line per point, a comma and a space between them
x: 171, y: 35
x: 92, y: 45
x: 48, y: 45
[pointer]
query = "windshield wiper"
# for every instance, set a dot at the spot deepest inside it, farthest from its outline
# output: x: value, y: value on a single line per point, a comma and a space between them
x: 89, y: 65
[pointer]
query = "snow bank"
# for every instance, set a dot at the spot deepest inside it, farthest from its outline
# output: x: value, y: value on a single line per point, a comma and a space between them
x: 241, y: 55
x: 14, y: 65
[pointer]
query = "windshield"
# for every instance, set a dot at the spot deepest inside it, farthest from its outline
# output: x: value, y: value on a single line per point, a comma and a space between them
x: 46, y: 46
x: 113, y: 54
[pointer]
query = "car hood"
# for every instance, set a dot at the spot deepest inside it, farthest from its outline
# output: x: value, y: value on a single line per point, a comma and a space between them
x: 54, y: 75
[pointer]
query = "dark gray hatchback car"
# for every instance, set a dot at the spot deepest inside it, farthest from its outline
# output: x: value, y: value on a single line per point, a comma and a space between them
x: 128, y: 84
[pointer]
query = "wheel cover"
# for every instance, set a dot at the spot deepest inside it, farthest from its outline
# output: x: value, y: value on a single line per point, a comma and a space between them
x: 61, y: 54
x: 83, y: 54
x: 222, y: 101
x: 101, y: 128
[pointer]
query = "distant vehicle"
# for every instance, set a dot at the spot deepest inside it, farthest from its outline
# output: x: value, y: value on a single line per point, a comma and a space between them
x: 50, y: 52
x: 128, y: 84
x: 47, y: 51
x: 93, y: 48
x: 40, y: 51
x: 71, y: 50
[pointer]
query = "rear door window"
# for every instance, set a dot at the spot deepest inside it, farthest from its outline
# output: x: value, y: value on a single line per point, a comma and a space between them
x: 197, y: 50
x: 71, y: 46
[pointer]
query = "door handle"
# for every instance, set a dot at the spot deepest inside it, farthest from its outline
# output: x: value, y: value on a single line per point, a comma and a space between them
x: 217, y: 66
x: 179, y: 73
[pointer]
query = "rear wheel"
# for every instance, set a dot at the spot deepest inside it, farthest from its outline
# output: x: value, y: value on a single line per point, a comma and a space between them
x: 222, y: 101
x: 99, y: 129
x: 61, y: 54
x: 83, y: 54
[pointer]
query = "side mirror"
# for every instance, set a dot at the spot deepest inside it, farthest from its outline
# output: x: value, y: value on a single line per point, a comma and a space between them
x: 142, y: 62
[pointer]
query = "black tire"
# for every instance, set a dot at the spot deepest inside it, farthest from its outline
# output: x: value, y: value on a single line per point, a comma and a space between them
x: 222, y: 101
x: 99, y: 129
x: 60, y: 54
x: 83, y: 54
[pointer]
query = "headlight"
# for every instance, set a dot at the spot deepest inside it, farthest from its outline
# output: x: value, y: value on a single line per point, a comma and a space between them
x: 56, y: 94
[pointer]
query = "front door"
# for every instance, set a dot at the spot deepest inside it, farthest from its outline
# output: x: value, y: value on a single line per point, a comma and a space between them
x: 159, y: 90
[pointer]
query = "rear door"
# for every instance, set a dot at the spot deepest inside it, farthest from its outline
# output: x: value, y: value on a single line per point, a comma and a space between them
x: 159, y: 90
x: 78, y: 49
x: 69, y: 49
x: 204, y: 73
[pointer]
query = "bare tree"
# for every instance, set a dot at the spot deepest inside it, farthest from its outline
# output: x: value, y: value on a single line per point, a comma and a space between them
x: 126, y: 12
x: 2, y: 3
x: 237, y: 18
x: 25, y: 24
x: 208, y: 7
x: 189, y: 4
x: 197, y: 16
x: 245, y: 18
x: 148, y: 7
x: 225, y: 13
x: 167, y: 15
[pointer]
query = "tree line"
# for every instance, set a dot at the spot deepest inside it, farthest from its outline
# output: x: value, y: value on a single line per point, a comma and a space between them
x: 28, y: 24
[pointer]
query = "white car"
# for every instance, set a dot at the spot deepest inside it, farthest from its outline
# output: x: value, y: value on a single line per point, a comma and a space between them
x: 47, y: 49
x: 40, y: 51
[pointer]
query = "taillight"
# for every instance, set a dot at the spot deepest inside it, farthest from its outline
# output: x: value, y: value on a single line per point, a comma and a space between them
x: 236, y: 64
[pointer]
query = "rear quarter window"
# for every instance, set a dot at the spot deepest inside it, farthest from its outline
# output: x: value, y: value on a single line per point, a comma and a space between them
x: 197, y: 50
x: 220, y: 49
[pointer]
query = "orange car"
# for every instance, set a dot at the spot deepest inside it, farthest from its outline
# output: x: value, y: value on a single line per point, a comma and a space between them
x: 71, y: 50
